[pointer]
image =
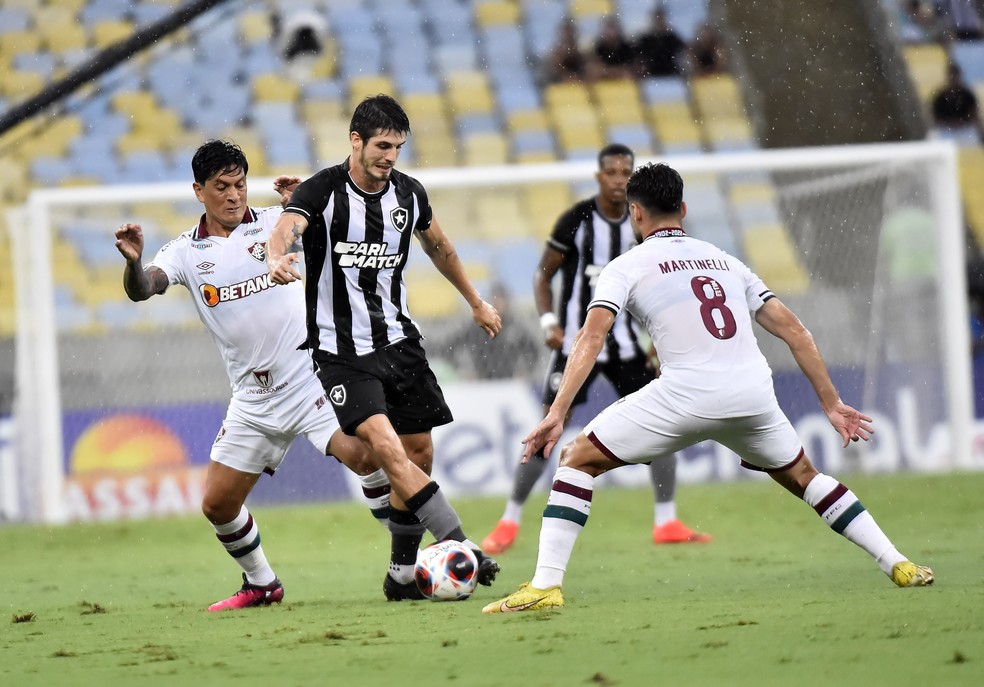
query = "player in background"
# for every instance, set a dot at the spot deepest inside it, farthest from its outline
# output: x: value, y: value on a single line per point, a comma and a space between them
x: 275, y: 394
x: 356, y: 221
x: 585, y: 238
x: 697, y: 303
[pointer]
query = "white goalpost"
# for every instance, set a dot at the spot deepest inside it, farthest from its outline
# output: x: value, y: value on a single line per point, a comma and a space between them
x: 866, y: 243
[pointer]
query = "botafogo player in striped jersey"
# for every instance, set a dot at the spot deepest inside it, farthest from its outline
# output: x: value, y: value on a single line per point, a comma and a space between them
x: 584, y: 239
x: 697, y: 302
x: 356, y: 221
x: 257, y: 327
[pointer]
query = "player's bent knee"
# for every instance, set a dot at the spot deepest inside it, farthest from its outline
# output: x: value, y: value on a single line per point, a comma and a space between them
x: 582, y: 455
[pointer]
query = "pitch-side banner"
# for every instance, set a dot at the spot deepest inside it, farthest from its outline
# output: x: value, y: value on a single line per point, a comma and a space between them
x: 151, y: 461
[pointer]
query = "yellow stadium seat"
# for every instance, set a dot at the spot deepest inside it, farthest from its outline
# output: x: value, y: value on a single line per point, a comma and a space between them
x: 618, y: 102
x: 331, y: 141
x: 13, y: 180
x: 591, y: 8
x: 468, y: 92
x: 562, y: 95
x: 106, y: 33
x: 54, y: 17
x: 133, y: 102
x: 527, y: 120
x: 772, y: 255
x: 361, y: 87
x: 486, y: 148
x: 453, y: 210
x: 501, y: 216
x: 18, y: 86
x: 431, y: 296
x: 971, y: 161
x: 927, y: 64
x: 325, y: 66
x: 254, y: 27
x: 65, y: 37
x: 16, y: 42
x: 716, y: 97
x: 543, y: 203
x: 728, y: 131
x: 316, y: 111
x: 500, y: 13
x: 275, y: 88
x: 435, y: 150
x: 428, y: 113
x: 752, y: 192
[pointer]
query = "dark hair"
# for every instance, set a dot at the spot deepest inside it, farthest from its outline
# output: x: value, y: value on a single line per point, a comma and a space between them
x: 378, y: 113
x: 656, y: 187
x: 614, y: 149
x: 217, y: 157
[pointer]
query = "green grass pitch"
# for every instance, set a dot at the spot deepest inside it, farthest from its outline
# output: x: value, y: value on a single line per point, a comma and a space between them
x: 775, y: 599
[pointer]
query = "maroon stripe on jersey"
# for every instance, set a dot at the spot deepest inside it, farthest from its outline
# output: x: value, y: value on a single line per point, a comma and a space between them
x: 238, y: 534
x: 830, y: 499
x: 604, y: 449
x: 798, y: 458
x: 376, y: 492
x: 572, y: 490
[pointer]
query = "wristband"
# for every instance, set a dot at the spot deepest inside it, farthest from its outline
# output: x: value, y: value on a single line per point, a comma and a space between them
x: 548, y: 321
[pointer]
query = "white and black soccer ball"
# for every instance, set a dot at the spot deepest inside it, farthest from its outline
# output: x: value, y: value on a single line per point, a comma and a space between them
x: 446, y: 571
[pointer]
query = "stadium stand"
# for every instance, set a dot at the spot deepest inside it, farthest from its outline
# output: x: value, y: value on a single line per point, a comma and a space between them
x: 467, y: 72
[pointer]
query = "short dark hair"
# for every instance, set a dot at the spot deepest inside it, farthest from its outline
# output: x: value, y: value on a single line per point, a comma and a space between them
x: 378, y: 113
x: 656, y: 187
x: 614, y: 149
x: 217, y: 157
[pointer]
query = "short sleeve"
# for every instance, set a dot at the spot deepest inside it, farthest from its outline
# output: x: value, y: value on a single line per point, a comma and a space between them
x: 612, y: 290
x: 169, y: 260
x: 565, y: 229
x: 311, y: 198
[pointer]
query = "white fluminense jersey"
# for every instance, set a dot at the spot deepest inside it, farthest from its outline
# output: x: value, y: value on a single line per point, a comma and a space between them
x: 696, y: 302
x: 256, y: 324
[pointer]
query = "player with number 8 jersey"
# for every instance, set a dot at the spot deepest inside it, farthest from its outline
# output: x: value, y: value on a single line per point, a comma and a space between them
x: 684, y: 289
x: 698, y: 303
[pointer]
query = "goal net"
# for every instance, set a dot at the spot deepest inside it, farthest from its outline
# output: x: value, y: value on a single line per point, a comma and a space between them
x: 117, y: 403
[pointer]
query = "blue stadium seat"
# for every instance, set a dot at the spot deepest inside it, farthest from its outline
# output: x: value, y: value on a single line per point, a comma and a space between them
x: 50, y: 171
x: 14, y: 19
x: 970, y: 56
x: 664, y: 89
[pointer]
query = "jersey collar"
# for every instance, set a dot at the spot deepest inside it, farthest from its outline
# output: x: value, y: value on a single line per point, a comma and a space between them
x: 666, y: 232
x: 201, y: 234
x: 346, y: 166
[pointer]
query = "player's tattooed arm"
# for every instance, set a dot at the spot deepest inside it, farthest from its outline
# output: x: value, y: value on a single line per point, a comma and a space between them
x: 280, y: 255
x: 141, y: 283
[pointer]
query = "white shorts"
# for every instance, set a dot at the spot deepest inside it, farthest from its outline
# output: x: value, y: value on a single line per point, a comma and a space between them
x: 255, y: 435
x: 647, y: 425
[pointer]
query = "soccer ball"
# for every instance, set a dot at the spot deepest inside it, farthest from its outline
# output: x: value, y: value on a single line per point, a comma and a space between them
x: 446, y: 571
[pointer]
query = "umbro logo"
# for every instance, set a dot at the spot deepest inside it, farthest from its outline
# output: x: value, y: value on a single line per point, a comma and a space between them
x: 203, y: 266
x: 399, y: 217
x: 337, y: 395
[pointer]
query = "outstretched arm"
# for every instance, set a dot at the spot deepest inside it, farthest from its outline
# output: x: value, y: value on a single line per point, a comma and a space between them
x: 780, y: 321
x: 587, y: 345
x: 139, y: 283
x: 439, y: 249
x: 280, y: 261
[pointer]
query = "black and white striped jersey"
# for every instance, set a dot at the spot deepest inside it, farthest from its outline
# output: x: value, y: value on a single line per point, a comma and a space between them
x: 589, y: 241
x: 356, y: 249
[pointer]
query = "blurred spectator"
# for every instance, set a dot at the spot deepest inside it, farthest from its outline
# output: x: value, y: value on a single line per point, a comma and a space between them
x: 955, y: 105
x: 302, y: 35
x: 920, y: 22
x: 613, y: 55
x: 962, y: 19
x: 514, y: 353
x: 707, y: 53
x: 659, y: 48
x: 565, y: 61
